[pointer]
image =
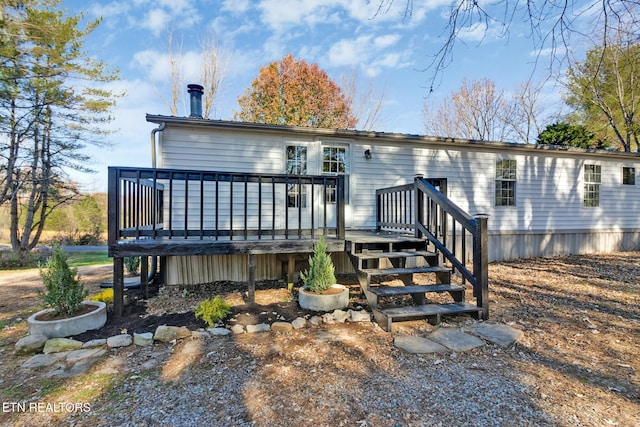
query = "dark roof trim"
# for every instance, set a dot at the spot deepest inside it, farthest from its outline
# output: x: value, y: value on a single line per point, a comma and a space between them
x: 381, y: 137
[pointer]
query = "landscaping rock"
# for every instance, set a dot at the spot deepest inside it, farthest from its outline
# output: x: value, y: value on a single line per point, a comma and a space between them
x: 41, y: 360
x: 456, y: 340
x: 31, y: 344
x: 418, y: 345
x: 359, y: 316
x: 340, y: 316
x: 281, y: 327
x: 499, y: 334
x: 143, y: 339
x: 57, y: 345
x: 102, y: 342
x: 299, y: 323
x: 237, y: 329
x: 85, y: 353
x: 122, y: 340
x: 262, y: 327
x: 328, y: 319
x: 219, y: 331
x: 166, y: 333
x: 315, y: 321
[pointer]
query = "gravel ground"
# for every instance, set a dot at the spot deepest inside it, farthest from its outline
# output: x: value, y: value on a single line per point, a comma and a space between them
x: 577, y: 365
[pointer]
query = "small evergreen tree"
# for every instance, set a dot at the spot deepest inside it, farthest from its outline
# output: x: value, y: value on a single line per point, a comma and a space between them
x: 321, y: 273
x: 64, y: 293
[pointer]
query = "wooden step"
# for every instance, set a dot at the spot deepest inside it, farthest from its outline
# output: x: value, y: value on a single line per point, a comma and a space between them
x: 394, y: 255
x: 386, y: 316
x: 382, y: 291
x: 389, y: 271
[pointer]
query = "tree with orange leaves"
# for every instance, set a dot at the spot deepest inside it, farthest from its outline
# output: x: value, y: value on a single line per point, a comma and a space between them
x: 293, y: 92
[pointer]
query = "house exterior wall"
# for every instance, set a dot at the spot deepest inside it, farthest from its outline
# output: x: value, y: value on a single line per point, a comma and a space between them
x: 548, y: 217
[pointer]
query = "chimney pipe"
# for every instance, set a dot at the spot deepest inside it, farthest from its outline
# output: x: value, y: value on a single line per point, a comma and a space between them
x: 195, y: 95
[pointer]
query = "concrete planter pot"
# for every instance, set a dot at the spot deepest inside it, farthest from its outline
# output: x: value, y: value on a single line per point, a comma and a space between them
x: 61, y: 328
x: 334, y: 299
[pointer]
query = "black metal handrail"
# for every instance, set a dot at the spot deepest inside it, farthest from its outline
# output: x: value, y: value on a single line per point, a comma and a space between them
x: 149, y: 203
x: 425, y: 211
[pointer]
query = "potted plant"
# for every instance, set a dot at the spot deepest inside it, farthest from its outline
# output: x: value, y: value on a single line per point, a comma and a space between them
x: 320, y: 291
x: 66, y: 313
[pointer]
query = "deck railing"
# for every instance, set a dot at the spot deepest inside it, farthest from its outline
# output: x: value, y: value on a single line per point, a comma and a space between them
x: 188, y: 204
x: 423, y: 208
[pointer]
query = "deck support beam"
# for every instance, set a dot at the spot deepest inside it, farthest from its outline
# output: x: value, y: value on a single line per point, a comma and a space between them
x: 252, y: 279
x: 144, y: 275
x: 118, y: 286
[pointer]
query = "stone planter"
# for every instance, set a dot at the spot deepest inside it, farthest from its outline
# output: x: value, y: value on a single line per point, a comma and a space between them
x: 334, y: 299
x: 71, y: 326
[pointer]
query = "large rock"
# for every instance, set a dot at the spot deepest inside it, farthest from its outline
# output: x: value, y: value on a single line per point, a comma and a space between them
x: 281, y: 327
x: 85, y: 353
x: 261, y: 327
x: 100, y: 342
x: 41, y: 360
x: 57, y: 345
x: 499, y: 334
x: 143, y: 339
x: 359, y: 316
x: 166, y: 333
x: 219, y: 331
x: 31, y: 344
x: 238, y: 329
x: 456, y: 340
x: 122, y: 340
x: 418, y: 345
x: 299, y: 323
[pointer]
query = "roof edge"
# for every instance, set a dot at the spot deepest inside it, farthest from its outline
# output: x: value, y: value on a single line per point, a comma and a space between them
x: 379, y: 136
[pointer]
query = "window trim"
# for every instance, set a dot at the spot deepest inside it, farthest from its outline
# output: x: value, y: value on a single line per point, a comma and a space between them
x: 500, y: 180
x: 296, y: 194
x: 630, y: 176
x: 592, y: 181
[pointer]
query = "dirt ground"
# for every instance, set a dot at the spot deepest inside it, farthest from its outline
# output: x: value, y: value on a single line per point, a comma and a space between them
x: 579, y: 359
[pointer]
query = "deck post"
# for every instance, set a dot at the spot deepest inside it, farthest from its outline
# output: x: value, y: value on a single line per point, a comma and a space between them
x: 112, y: 207
x: 291, y: 265
x: 340, y: 220
x: 481, y: 263
x: 144, y: 275
x: 252, y: 279
x: 118, y: 286
x: 419, y: 206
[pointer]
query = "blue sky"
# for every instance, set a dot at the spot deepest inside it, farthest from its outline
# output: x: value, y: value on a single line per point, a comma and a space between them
x: 386, y: 48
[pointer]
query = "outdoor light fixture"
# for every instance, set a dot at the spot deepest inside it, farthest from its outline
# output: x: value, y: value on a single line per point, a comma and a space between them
x: 367, y: 154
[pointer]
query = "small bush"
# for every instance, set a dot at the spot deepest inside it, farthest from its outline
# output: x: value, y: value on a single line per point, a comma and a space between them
x: 213, y: 310
x: 10, y: 260
x: 64, y: 293
x: 132, y: 263
x: 106, y: 296
x: 321, y: 273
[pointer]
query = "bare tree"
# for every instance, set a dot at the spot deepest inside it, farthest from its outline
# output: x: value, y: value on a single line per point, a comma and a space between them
x: 553, y: 25
x: 366, y: 104
x: 524, y: 114
x: 476, y: 111
x: 212, y: 68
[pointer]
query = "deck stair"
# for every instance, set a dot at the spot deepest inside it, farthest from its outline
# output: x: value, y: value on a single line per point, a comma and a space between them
x: 378, y: 256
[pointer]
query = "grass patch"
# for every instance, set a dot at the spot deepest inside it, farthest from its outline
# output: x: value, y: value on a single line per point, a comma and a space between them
x: 81, y: 258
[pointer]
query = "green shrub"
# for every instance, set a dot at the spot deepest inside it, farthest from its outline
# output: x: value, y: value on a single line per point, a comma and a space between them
x: 12, y: 260
x: 64, y: 293
x: 106, y: 296
x: 132, y: 263
x: 213, y: 310
x: 321, y: 273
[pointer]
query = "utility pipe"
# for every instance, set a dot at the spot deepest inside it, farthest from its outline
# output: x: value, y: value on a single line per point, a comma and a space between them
x: 160, y: 128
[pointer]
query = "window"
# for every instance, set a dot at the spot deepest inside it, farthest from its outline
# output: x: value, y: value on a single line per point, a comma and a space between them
x: 334, y: 162
x: 592, y: 177
x: 296, y: 165
x: 505, y: 183
x: 628, y: 176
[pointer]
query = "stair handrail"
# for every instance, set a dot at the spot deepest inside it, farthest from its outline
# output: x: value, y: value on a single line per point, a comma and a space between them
x: 476, y: 226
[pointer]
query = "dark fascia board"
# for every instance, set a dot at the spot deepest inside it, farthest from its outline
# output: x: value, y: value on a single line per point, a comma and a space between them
x: 382, y: 137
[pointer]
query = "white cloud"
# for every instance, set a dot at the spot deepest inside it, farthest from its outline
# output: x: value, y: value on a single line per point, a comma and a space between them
x: 236, y: 7
x: 349, y: 52
x: 386, y: 41
x: 156, y: 20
